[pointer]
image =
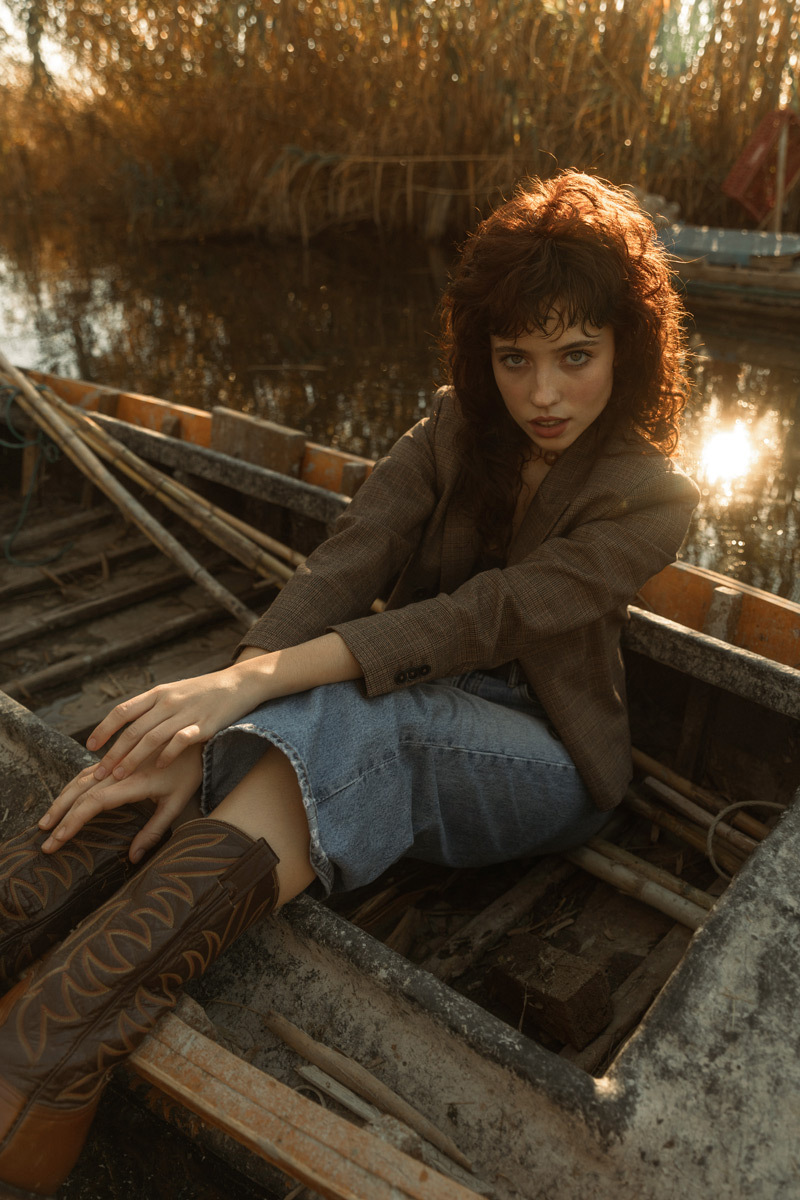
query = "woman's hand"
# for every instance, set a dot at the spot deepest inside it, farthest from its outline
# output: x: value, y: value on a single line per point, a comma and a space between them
x: 84, y: 797
x: 164, y: 721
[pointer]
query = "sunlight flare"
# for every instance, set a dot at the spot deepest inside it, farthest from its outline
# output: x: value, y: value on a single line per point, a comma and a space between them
x: 728, y: 455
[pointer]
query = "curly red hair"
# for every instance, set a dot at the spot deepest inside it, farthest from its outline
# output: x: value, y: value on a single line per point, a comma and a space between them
x: 581, y: 251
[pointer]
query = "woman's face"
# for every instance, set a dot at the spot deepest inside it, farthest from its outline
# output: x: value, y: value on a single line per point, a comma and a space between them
x: 554, y: 385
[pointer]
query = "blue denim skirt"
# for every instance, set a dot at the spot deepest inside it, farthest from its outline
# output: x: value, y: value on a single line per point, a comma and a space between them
x: 463, y: 771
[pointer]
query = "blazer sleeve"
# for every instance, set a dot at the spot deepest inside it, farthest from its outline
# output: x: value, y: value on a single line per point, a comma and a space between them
x: 371, y: 542
x: 571, y: 580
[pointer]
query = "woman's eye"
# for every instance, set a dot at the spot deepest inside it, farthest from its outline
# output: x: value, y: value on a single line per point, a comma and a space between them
x: 576, y: 358
x: 513, y: 360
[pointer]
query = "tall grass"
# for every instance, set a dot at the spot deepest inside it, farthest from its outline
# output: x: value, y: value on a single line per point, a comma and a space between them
x: 290, y: 116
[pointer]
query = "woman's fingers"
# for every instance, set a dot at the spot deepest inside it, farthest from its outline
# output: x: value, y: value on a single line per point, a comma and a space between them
x: 78, y: 813
x: 67, y: 797
x: 151, y: 833
x: 156, y: 717
x: 190, y: 735
x: 123, y: 714
x: 139, y: 743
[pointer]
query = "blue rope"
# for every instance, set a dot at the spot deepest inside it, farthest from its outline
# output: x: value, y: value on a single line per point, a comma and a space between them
x: 46, y: 450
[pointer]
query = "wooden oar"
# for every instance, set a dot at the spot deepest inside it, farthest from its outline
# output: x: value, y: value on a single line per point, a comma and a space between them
x: 65, y: 437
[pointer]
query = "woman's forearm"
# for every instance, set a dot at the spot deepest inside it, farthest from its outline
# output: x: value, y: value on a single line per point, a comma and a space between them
x: 172, y: 716
x: 324, y: 659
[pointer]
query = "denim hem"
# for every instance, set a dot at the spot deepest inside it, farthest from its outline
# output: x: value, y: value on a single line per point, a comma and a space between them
x: 320, y: 863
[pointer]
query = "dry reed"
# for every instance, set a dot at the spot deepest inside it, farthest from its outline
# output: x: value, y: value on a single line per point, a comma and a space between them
x: 290, y: 118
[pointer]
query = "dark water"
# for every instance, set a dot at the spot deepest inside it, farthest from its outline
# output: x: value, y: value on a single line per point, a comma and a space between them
x: 339, y: 341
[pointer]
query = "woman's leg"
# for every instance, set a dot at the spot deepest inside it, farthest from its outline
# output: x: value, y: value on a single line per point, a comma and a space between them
x: 268, y: 804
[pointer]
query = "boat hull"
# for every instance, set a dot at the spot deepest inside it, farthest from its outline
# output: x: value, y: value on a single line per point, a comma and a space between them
x: 686, y: 1099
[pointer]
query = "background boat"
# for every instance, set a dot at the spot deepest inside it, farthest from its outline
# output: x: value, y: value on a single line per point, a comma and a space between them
x: 745, y: 270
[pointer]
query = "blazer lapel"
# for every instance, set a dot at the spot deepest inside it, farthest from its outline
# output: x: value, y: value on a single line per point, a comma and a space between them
x: 558, y: 489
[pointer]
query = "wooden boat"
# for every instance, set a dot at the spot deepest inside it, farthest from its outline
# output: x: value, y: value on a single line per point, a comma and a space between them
x: 502, y: 1005
x: 753, y: 271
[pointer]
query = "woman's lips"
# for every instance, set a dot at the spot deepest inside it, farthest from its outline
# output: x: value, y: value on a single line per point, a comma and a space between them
x: 549, y: 429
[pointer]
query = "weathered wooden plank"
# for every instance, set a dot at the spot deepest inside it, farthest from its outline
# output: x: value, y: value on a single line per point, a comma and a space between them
x: 81, y: 664
x: 468, y: 943
x: 61, y: 528
x: 26, y: 580
x: 770, y: 684
x: 256, y: 440
x: 551, y: 989
x: 294, y: 494
x: 86, y: 610
x: 314, y: 1146
x: 631, y: 1000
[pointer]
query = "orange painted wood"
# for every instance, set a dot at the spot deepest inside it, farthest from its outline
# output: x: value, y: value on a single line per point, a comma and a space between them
x: 333, y: 469
x: 767, y: 625
x: 194, y: 425
x: 314, y: 1146
x: 178, y: 420
x: 92, y: 397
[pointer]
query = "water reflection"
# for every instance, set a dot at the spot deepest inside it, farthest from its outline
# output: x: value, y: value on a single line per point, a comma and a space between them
x: 339, y: 341
x: 741, y: 443
x: 727, y: 457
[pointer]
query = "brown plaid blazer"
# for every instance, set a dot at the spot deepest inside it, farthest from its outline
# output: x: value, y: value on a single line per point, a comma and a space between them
x: 610, y: 513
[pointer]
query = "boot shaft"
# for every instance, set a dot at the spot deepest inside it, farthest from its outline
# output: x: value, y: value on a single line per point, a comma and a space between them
x: 43, y: 896
x: 92, y: 999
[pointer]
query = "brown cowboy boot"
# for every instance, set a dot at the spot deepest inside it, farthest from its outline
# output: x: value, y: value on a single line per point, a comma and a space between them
x: 93, y: 999
x: 43, y: 896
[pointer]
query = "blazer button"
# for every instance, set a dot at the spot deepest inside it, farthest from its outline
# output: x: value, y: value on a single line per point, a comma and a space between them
x: 412, y: 673
x: 400, y: 677
x: 425, y: 670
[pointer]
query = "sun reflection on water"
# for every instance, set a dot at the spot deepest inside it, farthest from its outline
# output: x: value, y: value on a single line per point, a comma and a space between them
x: 727, y: 456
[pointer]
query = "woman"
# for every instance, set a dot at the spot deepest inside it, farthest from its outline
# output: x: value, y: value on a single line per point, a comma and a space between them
x: 480, y: 717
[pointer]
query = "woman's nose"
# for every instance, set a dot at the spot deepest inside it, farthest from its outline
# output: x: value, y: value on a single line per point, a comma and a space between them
x: 543, y: 391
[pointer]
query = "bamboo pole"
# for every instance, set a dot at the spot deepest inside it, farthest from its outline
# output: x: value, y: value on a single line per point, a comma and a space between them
x: 739, y: 841
x: 634, y: 884
x: 57, y: 428
x: 190, y: 506
x: 363, y: 1082
x: 178, y: 489
x: 664, y: 878
x: 229, y: 532
x: 702, y: 796
x: 682, y: 829
x: 780, y: 177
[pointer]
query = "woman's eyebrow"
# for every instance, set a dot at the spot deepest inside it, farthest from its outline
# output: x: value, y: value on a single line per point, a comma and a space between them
x: 576, y: 344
